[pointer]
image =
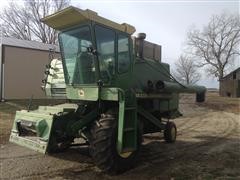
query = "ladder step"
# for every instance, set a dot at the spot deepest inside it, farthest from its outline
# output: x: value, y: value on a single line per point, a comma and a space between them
x: 129, y: 129
x: 130, y: 108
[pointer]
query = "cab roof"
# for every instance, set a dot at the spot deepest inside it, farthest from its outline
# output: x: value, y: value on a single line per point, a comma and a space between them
x: 72, y: 16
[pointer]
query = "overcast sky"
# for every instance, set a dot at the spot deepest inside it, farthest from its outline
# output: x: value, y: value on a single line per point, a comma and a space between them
x: 164, y: 22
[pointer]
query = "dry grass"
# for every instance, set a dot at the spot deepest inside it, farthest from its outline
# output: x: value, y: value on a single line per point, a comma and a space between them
x: 216, y: 102
x: 24, y: 103
x: 7, y: 113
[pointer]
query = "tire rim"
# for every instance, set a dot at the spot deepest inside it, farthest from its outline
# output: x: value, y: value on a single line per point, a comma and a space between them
x: 125, y: 154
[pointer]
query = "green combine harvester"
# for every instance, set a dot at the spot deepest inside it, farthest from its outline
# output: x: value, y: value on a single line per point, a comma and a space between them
x: 117, y: 87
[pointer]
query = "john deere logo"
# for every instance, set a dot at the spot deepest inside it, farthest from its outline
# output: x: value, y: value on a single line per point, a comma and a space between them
x: 81, y: 92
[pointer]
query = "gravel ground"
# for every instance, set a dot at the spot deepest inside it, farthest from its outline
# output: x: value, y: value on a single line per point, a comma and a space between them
x: 207, y: 147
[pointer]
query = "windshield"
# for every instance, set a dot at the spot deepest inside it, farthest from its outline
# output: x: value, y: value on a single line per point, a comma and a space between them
x: 78, y: 63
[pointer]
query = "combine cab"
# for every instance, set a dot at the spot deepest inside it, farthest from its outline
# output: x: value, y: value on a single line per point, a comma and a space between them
x: 118, y: 88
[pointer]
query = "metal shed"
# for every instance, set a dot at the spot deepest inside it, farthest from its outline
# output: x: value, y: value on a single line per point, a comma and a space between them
x: 230, y: 84
x: 22, y: 65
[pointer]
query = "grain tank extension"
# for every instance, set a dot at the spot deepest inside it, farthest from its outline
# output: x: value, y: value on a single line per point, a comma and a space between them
x: 117, y: 87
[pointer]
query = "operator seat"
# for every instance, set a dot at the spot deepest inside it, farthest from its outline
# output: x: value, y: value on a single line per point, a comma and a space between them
x: 84, y: 71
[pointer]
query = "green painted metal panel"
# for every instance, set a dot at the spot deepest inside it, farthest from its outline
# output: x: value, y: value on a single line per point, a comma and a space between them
x: 110, y: 94
x: 42, y: 123
x: 164, y: 96
x: 41, y: 127
x: 91, y: 93
x: 34, y: 144
x: 150, y: 117
x: 169, y: 104
x: 39, y: 121
x: 179, y: 88
x: 82, y: 93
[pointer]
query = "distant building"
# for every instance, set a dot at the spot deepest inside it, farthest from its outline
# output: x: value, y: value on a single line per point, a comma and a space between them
x: 230, y: 84
x: 22, y: 66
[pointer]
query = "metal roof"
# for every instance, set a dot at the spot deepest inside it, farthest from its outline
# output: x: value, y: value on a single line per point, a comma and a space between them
x: 236, y: 70
x: 72, y: 16
x: 9, y: 41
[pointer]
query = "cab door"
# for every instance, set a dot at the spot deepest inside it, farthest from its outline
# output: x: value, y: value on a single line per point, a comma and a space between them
x: 106, y: 48
x: 124, y: 61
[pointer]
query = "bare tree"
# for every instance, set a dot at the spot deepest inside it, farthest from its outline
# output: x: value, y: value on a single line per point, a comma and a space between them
x: 23, y: 21
x: 186, y: 70
x: 217, y: 45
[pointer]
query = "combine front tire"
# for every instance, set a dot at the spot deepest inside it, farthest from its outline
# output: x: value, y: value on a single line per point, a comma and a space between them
x: 104, y: 150
x: 170, y: 132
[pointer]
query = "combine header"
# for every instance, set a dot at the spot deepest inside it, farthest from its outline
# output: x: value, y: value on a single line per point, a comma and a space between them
x: 118, y: 88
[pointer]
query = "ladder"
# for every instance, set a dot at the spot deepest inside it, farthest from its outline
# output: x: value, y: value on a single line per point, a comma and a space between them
x: 127, y: 123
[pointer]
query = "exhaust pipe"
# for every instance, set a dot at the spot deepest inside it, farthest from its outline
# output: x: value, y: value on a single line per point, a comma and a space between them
x: 140, y: 39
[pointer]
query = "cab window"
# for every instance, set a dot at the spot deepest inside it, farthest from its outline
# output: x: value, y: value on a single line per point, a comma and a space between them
x: 123, y: 54
x: 105, y: 40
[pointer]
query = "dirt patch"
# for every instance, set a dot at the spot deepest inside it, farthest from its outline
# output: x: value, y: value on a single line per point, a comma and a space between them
x: 7, y: 113
x: 207, y: 147
x: 214, y: 101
